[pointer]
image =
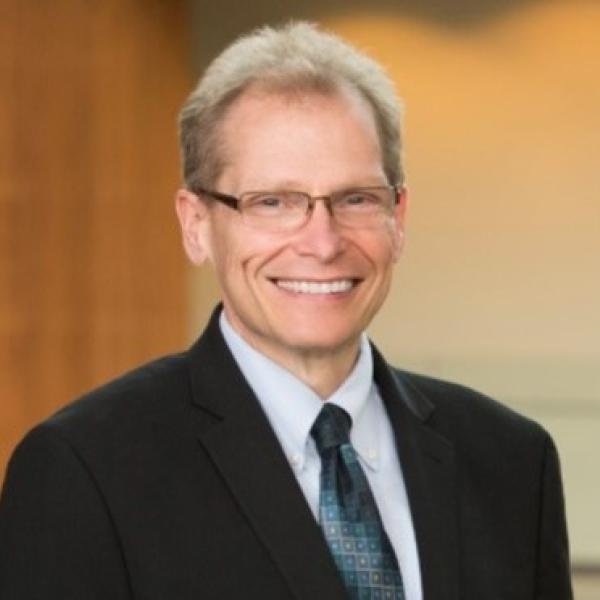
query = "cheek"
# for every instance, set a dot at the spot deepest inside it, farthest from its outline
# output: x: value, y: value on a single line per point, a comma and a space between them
x: 382, y: 248
x: 395, y: 237
x: 239, y: 252
x: 224, y: 250
x: 398, y: 246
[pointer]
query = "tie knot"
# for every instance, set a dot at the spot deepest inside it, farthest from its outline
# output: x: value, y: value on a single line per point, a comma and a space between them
x: 331, y: 428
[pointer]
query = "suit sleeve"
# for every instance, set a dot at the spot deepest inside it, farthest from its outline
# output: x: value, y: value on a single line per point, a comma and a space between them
x: 553, y: 567
x: 57, y: 540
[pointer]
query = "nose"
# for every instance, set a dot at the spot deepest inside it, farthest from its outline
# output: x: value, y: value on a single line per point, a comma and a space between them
x: 320, y: 236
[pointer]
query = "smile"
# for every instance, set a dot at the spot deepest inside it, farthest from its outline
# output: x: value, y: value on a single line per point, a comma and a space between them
x: 316, y: 287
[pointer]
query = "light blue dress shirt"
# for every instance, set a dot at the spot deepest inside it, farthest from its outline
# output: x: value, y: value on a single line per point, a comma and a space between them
x: 292, y: 407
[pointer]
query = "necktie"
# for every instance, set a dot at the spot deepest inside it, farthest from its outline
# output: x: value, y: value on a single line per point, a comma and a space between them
x: 348, y: 514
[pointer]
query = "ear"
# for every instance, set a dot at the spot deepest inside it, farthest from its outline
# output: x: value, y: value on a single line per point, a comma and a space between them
x: 400, y: 221
x: 192, y: 213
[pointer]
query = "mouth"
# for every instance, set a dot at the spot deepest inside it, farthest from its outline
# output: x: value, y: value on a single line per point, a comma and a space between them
x: 300, y: 286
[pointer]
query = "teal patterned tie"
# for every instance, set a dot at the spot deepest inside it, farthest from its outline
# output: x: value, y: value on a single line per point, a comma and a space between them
x: 348, y: 514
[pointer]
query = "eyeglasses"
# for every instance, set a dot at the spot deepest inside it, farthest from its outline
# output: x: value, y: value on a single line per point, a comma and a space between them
x: 365, y: 207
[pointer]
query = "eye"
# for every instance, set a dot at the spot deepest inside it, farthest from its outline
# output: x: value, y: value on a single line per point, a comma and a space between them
x: 268, y: 201
x: 358, y: 199
x: 275, y: 201
x: 264, y: 202
x: 355, y: 198
x: 270, y: 204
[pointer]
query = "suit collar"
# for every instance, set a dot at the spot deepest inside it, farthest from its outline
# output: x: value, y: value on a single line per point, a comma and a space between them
x: 401, y: 388
x: 429, y: 470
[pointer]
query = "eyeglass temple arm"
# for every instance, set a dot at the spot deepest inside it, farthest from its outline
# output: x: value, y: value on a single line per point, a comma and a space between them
x: 230, y: 201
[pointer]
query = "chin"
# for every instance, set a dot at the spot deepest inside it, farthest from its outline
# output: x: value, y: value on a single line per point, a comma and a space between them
x: 319, y: 340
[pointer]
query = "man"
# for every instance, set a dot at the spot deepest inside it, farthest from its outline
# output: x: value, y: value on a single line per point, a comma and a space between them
x: 281, y: 457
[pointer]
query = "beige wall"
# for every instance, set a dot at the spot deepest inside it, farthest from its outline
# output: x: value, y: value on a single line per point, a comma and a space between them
x: 499, y: 287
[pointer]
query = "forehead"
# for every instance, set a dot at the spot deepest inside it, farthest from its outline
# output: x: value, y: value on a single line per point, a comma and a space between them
x: 260, y: 98
x: 269, y: 135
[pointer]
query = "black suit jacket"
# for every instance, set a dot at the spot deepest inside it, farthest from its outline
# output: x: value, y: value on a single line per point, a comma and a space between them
x: 169, y: 483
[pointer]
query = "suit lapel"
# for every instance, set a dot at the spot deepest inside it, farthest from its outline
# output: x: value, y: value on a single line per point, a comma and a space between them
x: 246, y: 452
x: 429, y: 470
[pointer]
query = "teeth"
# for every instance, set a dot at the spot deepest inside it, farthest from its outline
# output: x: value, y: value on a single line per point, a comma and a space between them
x: 314, y: 287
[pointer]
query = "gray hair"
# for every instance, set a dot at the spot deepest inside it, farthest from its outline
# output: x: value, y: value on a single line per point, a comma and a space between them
x: 293, y: 58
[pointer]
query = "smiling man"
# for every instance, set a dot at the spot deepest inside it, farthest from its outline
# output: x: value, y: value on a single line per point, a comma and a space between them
x: 281, y: 456
x: 305, y: 257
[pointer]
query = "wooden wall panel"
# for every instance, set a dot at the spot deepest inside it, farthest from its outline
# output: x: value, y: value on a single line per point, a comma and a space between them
x: 92, y: 278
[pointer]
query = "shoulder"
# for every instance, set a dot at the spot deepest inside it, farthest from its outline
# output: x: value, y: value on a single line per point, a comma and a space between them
x: 469, y: 417
x: 118, y: 408
x: 493, y: 446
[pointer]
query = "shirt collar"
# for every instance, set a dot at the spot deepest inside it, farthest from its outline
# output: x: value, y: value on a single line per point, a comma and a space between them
x: 292, y: 407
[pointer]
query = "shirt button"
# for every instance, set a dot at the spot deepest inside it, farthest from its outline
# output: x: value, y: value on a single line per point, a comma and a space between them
x: 297, y: 460
x: 372, y: 454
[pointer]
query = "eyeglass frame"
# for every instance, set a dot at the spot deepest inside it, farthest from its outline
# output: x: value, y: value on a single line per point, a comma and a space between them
x: 233, y: 202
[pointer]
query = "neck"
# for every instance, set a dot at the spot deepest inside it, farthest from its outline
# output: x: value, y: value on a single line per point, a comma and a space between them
x: 321, y: 370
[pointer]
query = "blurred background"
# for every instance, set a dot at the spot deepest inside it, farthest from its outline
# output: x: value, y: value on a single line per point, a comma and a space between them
x: 499, y: 287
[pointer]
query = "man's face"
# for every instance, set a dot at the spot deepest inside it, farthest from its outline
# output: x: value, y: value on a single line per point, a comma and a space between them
x: 316, y: 144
